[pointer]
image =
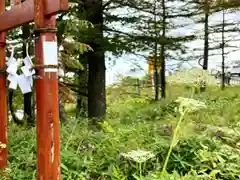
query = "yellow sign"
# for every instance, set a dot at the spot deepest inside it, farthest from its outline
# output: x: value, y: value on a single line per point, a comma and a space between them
x: 151, y: 65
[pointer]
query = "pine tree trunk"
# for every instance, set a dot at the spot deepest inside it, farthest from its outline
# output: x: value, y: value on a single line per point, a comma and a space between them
x: 156, y: 62
x: 62, y: 113
x: 162, y: 53
x: 96, y: 63
x: 223, y: 53
x: 206, y: 38
x: 78, y: 106
x: 156, y: 84
x: 206, y: 44
x: 96, y: 87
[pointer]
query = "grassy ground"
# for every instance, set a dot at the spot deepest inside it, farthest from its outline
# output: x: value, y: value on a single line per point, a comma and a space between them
x: 206, y: 145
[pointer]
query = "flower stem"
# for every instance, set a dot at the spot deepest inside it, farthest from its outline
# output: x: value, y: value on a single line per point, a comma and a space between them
x: 140, y: 170
x: 173, y: 141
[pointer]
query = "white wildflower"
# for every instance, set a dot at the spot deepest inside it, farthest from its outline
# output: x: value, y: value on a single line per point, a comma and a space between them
x: 191, y: 105
x: 138, y: 156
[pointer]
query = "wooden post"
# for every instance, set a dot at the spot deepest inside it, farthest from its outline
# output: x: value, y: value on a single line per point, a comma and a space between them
x: 3, y: 97
x: 48, y: 124
x: 138, y: 87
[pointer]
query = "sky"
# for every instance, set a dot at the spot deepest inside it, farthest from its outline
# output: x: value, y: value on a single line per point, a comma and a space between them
x: 124, y: 63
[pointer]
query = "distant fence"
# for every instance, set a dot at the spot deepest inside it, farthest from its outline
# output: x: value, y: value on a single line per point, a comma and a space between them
x: 234, y: 81
x: 137, y: 86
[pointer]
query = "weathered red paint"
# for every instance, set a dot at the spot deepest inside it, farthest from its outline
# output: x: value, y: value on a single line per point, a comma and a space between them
x: 24, y: 13
x: 3, y: 97
x: 48, y: 125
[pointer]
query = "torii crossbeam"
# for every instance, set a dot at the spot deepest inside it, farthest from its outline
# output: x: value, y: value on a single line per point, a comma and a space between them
x: 43, y: 13
x: 24, y: 13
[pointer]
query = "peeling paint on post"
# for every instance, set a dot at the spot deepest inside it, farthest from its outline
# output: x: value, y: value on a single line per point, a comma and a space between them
x: 3, y: 97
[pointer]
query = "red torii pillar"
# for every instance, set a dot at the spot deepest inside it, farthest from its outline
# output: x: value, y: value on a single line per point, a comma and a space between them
x: 43, y: 12
x: 3, y: 96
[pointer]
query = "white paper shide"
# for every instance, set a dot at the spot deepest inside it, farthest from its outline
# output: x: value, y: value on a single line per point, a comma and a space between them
x: 24, y: 80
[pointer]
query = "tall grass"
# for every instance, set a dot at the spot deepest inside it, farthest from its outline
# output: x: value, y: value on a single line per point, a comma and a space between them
x: 207, y: 143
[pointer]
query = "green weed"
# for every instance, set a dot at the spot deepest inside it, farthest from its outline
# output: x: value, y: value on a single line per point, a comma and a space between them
x: 186, y: 143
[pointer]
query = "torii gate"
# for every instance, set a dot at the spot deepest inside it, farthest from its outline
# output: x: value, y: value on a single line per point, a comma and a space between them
x: 43, y: 13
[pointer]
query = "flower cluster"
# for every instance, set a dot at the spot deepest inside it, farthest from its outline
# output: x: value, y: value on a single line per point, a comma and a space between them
x: 190, y: 105
x: 138, y: 156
